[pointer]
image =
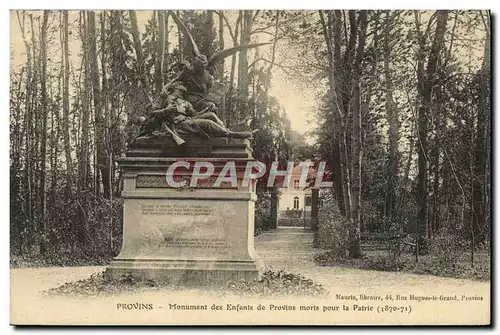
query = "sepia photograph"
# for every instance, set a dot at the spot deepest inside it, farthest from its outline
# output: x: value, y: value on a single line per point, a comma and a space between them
x: 250, y: 167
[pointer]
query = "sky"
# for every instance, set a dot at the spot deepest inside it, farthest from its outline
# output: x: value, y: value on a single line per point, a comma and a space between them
x: 296, y: 100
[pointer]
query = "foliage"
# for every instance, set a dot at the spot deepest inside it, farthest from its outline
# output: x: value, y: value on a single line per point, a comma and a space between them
x: 292, y: 222
x: 399, y: 48
x: 430, y: 264
x: 272, y: 283
x: 101, y: 241
x: 99, y: 284
x: 333, y: 228
x: 447, y: 247
x: 262, y: 213
x: 277, y: 283
x: 293, y: 213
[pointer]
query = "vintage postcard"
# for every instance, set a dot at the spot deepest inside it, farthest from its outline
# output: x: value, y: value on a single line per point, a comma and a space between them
x: 250, y: 167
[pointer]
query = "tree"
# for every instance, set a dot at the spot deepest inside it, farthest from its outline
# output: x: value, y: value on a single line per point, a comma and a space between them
x: 43, y: 153
x: 245, y: 34
x: 337, y: 146
x: 222, y: 106
x: 160, y: 50
x: 102, y: 159
x: 357, y: 150
x: 425, y: 85
x: 393, y: 119
x: 482, y: 137
x: 140, y: 61
x: 345, y: 75
x: 66, y: 75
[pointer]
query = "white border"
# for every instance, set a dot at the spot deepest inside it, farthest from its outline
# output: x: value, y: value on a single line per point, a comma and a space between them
x: 256, y: 4
x: 215, y: 4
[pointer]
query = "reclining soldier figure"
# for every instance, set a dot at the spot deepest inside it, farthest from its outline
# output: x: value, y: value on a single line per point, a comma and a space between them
x: 178, y: 116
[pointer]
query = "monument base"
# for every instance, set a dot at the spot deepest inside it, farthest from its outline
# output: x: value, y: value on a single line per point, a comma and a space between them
x: 186, y: 273
x: 191, y: 235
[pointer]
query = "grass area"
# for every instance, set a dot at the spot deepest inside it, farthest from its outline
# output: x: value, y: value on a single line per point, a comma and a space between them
x: 272, y: 283
x: 458, y: 267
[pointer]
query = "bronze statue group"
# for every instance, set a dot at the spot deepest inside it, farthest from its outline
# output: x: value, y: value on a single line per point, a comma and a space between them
x: 184, y: 107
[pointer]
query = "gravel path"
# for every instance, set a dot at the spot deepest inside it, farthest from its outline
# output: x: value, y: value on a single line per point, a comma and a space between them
x: 291, y: 249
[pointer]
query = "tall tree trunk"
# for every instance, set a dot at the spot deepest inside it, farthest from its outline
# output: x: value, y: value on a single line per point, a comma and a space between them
x: 222, y: 105
x: 393, y: 120
x: 208, y: 48
x: 166, y: 57
x: 109, y: 119
x: 488, y: 137
x: 366, y: 104
x: 160, y: 49
x: 357, y: 150
x: 235, y: 43
x: 435, y: 152
x: 341, y: 108
x: 481, y: 139
x: 243, y: 77
x: 273, y: 54
x: 180, y: 42
x: 36, y: 105
x: 136, y: 37
x: 406, y: 174
x: 66, y: 136
x: 102, y: 156
x: 33, y: 143
x: 55, y: 135
x: 167, y: 41
x: 84, y: 139
x: 336, y: 117
x: 425, y: 91
x: 43, y: 147
x: 28, y: 128
x: 84, y: 152
x: 114, y: 75
x: 140, y: 57
x: 221, y: 46
x: 233, y: 67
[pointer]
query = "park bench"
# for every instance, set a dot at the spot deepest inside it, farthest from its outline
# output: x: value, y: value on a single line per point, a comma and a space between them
x: 408, y: 244
x: 403, y: 242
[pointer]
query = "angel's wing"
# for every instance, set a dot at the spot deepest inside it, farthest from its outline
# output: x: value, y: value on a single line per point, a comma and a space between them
x: 220, y: 55
x: 186, y: 32
x: 217, y: 92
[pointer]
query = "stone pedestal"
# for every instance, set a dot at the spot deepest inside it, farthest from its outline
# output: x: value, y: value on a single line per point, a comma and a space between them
x: 191, y: 235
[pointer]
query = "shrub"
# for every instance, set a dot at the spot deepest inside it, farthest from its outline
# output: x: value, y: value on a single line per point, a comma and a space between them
x: 446, y: 247
x: 72, y: 238
x: 272, y: 283
x: 262, y: 212
x: 332, y: 233
x: 277, y: 283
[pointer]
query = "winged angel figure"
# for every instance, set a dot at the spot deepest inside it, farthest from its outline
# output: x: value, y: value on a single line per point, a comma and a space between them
x: 185, y: 107
x: 197, y: 76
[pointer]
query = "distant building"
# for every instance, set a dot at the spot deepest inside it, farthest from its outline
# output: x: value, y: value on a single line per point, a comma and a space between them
x: 294, y: 202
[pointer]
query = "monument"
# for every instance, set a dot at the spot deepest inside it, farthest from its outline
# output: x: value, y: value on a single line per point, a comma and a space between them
x: 181, y: 225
